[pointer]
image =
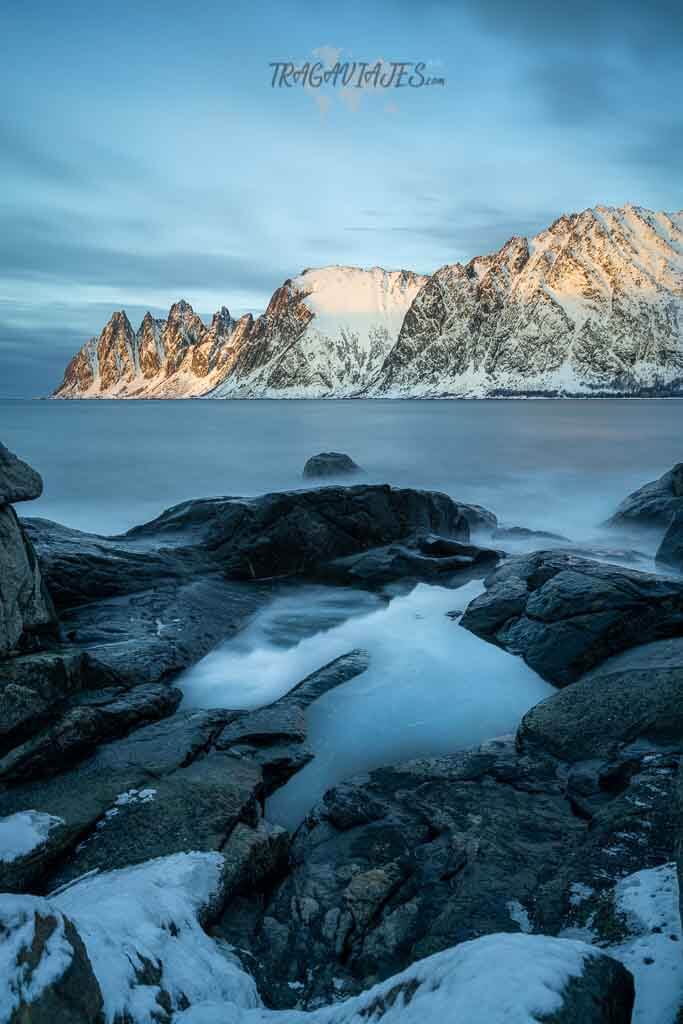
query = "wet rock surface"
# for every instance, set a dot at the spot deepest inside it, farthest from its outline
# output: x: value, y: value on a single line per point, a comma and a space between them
x: 183, y: 783
x: 18, y: 480
x: 531, y: 833
x: 637, y: 695
x: 565, y: 614
x: 406, y: 861
x: 653, y: 504
x: 670, y: 551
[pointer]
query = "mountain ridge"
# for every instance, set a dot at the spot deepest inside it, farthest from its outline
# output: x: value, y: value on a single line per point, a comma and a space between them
x: 591, y: 305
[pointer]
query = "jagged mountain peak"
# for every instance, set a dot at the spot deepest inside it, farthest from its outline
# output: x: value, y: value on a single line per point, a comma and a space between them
x: 591, y: 304
x: 119, y: 319
x: 180, y: 310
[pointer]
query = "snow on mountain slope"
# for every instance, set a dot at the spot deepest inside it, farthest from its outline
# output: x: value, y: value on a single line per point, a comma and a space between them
x: 179, y: 357
x: 592, y: 305
x: 325, y: 333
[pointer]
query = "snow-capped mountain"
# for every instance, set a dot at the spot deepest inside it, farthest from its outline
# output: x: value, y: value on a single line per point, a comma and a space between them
x: 325, y: 333
x: 592, y: 305
x: 178, y: 357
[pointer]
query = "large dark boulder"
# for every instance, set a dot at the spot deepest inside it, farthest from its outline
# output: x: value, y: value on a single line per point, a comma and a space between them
x: 330, y: 464
x: 282, y: 534
x: 26, y: 609
x: 670, y: 551
x: 18, y: 480
x: 295, y: 532
x: 564, y: 614
x: 635, y: 695
x: 654, y: 503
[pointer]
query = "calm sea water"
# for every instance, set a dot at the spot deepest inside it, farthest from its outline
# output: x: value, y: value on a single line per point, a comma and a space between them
x: 435, y: 687
x: 554, y: 464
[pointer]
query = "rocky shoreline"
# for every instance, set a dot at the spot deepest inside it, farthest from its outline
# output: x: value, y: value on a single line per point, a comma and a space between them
x: 142, y: 881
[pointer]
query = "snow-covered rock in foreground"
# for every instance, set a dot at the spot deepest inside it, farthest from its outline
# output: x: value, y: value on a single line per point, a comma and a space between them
x: 24, y: 832
x: 647, y: 915
x: 45, y: 974
x: 592, y: 305
x: 141, y: 928
x: 498, y: 979
x: 138, y: 931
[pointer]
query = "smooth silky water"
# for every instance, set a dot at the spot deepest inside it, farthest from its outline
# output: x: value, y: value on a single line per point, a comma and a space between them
x: 432, y: 687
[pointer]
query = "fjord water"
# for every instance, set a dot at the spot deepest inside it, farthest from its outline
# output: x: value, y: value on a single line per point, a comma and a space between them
x: 558, y: 465
x: 431, y: 687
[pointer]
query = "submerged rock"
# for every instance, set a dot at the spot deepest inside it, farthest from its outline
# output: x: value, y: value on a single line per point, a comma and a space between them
x: 524, y: 533
x: 564, y: 614
x: 330, y: 464
x: 654, y: 503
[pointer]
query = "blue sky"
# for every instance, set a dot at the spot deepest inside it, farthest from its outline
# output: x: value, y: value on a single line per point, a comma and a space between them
x: 144, y: 155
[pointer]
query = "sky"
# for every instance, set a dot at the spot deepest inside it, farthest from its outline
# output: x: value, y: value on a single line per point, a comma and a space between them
x: 145, y: 155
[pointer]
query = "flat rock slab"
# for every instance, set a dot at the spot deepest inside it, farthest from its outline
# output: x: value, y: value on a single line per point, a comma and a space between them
x: 635, y: 695
x: 183, y: 783
x: 564, y: 614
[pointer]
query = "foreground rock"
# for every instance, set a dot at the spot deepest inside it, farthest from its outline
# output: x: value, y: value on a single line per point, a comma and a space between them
x: 330, y: 464
x: 635, y: 695
x: 399, y: 864
x: 18, y: 480
x: 195, y: 781
x: 670, y: 551
x: 26, y: 610
x: 292, y: 533
x: 25, y: 607
x: 46, y: 973
x: 564, y: 614
x: 653, y: 504
x: 429, y: 558
x: 140, y: 954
